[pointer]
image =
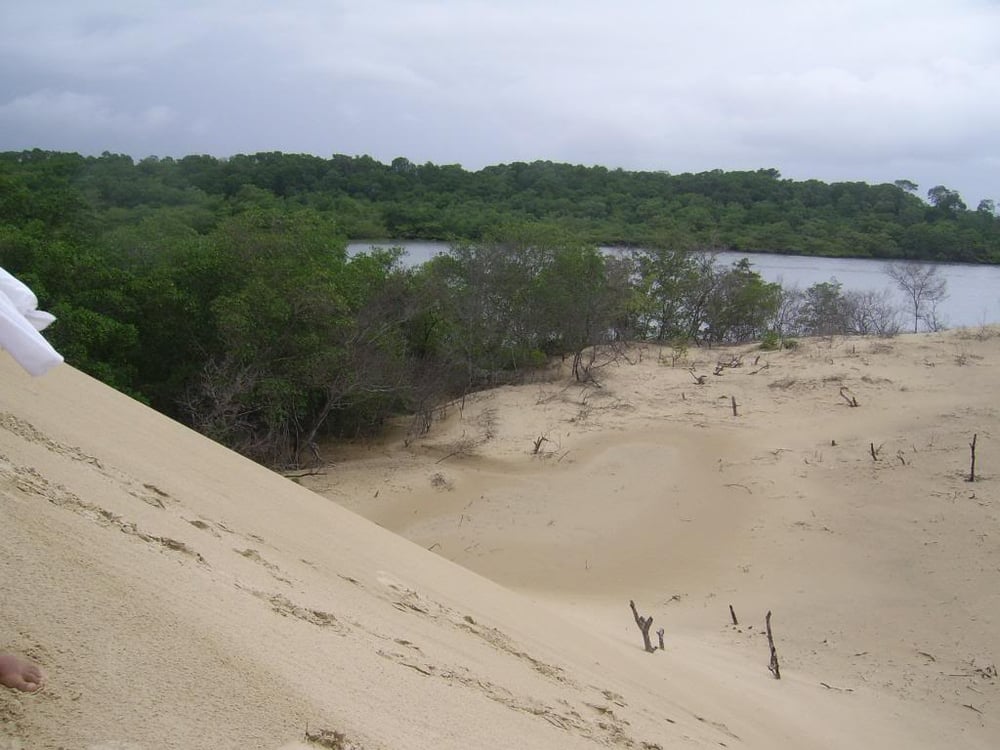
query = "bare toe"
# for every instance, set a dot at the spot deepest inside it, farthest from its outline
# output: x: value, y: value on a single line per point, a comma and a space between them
x: 20, y: 674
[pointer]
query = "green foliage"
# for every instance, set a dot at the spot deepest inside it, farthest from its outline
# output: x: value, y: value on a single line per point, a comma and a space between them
x: 97, y: 344
x: 527, y: 290
x: 824, y: 310
x: 288, y: 344
x: 741, y: 305
x: 747, y: 210
x: 671, y: 286
x: 770, y: 341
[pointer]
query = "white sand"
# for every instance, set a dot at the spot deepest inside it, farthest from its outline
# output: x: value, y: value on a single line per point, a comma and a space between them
x: 182, y: 597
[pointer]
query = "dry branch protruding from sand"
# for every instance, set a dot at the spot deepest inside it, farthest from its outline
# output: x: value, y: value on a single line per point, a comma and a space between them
x: 874, y: 451
x: 773, y: 666
x: 644, y: 624
x: 734, y: 361
x: 972, y: 462
x: 845, y: 393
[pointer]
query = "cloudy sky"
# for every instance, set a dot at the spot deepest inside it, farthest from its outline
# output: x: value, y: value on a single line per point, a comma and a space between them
x: 872, y: 90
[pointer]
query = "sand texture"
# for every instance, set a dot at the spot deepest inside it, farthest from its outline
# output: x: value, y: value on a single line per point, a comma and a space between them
x: 469, y: 586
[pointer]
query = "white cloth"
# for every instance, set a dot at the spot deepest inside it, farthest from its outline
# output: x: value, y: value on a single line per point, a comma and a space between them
x: 20, y: 323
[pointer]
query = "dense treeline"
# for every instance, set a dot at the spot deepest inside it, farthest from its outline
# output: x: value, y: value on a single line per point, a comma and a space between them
x: 743, y: 211
x: 221, y: 292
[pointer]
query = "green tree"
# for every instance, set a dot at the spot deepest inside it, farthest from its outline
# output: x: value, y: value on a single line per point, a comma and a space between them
x: 825, y: 310
x: 668, y: 288
x: 948, y: 202
x: 741, y: 305
x: 577, y: 305
x: 291, y: 348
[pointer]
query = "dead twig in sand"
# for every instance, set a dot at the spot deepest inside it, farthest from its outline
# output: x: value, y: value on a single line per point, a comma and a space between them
x: 734, y: 361
x: 773, y: 666
x: 987, y: 673
x: 300, y: 474
x: 839, y: 690
x: 972, y: 462
x: 732, y: 614
x: 644, y: 623
x: 742, y: 486
x: 464, y: 446
x: 845, y: 393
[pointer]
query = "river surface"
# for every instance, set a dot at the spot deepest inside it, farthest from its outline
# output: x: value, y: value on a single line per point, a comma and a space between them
x: 973, y: 291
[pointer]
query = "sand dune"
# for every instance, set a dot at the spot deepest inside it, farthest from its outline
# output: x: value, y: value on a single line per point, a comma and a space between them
x: 182, y: 597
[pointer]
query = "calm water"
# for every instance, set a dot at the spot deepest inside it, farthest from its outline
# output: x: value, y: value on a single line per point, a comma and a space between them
x: 973, y: 291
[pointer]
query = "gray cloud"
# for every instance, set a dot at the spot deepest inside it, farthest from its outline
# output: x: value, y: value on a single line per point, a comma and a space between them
x: 66, y: 110
x: 862, y: 89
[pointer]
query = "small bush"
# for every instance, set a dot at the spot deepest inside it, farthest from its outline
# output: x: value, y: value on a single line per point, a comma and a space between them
x: 771, y: 341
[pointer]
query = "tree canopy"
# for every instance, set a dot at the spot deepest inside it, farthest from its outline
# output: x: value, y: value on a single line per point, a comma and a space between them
x: 736, y: 210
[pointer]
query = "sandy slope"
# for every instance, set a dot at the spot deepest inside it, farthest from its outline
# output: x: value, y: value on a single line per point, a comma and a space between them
x: 180, y: 596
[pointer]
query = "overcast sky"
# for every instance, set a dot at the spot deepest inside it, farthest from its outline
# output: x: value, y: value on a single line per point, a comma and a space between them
x: 872, y: 90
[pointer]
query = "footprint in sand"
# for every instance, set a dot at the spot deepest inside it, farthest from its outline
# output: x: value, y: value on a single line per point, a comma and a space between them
x: 251, y: 554
x: 31, y: 481
x: 149, y: 493
x: 199, y: 524
x: 287, y: 608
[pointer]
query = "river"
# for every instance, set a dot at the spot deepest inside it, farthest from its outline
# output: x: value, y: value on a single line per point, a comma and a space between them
x: 973, y: 291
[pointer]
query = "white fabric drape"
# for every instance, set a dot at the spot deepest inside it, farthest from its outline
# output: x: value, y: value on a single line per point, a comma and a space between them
x: 20, y: 323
